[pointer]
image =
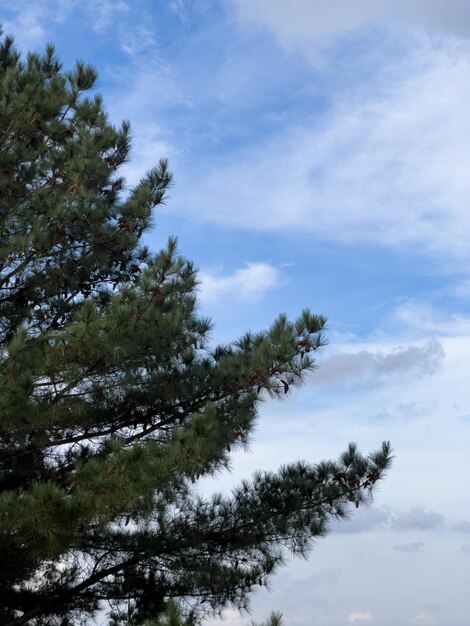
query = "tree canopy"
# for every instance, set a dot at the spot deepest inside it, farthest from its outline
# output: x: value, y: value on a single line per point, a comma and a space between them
x: 112, y: 400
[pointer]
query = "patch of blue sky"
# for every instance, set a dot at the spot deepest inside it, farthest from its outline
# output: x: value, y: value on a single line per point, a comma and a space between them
x: 355, y: 285
x: 243, y: 90
x: 246, y: 87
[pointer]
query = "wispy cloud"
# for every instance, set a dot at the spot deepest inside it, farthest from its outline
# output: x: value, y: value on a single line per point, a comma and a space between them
x: 420, y: 318
x: 386, y: 167
x: 30, y: 22
x: 361, y: 617
x: 423, y: 619
x: 106, y: 12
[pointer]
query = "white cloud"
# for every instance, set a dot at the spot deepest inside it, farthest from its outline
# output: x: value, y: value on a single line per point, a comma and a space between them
x: 361, y: 617
x: 462, y: 289
x: 423, y: 619
x: 307, y: 19
x: 105, y: 13
x: 150, y: 147
x: 420, y: 318
x: 29, y: 22
x: 298, y: 21
x: 247, y: 284
x: 388, y: 168
x: 33, y: 23
x: 27, y: 28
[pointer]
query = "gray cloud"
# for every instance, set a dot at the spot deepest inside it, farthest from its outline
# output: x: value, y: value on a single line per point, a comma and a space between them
x: 370, y: 367
x: 372, y: 518
x: 465, y: 549
x: 462, y: 526
x: 418, y: 518
x: 410, y: 548
x: 364, y: 520
x: 326, y: 576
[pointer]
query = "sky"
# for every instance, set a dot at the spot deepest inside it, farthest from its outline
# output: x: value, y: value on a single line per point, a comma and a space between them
x: 320, y: 154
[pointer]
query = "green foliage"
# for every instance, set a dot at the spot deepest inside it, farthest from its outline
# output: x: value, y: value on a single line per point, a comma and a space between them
x: 172, y: 615
x: 112, y: 402
x: 275, y: 619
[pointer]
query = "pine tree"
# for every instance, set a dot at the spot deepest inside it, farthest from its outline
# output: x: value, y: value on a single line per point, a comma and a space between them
x: 112, y: 402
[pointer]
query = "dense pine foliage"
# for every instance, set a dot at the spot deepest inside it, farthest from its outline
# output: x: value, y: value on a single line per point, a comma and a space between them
x: 112, y: 401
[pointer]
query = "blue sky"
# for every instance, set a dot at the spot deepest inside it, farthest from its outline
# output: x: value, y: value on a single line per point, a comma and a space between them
x: 321, y: 157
